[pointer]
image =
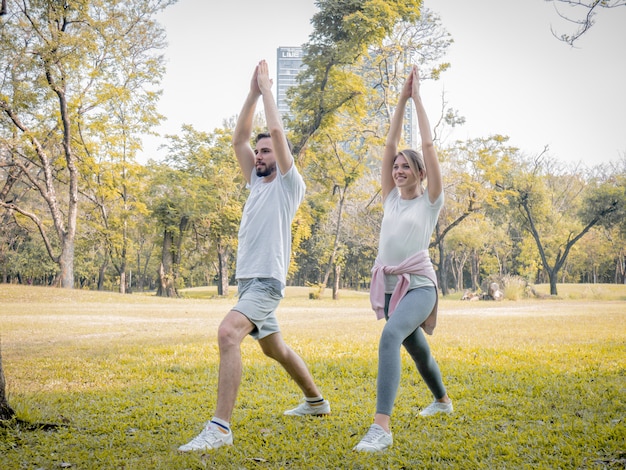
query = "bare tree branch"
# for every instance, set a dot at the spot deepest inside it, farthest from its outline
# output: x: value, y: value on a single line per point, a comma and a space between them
x: 585, y: 21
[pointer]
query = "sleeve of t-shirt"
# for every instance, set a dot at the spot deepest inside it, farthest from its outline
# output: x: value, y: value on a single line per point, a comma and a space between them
x: 253, y: 179
x: 293, y: 183
x: 438, y: 203
x: 392, y: 196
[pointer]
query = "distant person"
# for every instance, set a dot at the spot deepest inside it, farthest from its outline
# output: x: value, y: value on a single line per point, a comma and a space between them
x: 276, y: 191
x: 404, y: 284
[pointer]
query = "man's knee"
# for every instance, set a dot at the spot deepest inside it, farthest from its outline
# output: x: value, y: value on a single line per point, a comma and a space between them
x: 233, y: 329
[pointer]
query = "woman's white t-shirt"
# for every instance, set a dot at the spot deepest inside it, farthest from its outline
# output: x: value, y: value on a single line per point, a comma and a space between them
x: 406, y: 228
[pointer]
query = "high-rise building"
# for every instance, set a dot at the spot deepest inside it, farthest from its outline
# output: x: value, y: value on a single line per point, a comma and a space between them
x: 410, y: 134
x: 288, y: 63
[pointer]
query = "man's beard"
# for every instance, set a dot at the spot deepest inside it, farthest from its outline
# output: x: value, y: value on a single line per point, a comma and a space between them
x: 265, y: 170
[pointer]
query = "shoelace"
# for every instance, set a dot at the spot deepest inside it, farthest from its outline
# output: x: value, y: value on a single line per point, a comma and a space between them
x: 210, y: 435
x: 373, y: 434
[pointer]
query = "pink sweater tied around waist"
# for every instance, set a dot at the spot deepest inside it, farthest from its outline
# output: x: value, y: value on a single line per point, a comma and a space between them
x: 419, y: 264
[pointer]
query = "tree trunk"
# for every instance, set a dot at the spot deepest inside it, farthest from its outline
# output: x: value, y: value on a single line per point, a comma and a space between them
x: 66, y: 264
x: 552, y: 275
x: 101, y: 272
x: 166, y: 277
x: 121, y: 268
x: 223, y: 257
x: 336, y: 283
x: 166, y: 284
x: 6, y: 412
x: 142, y: 269
x: 475, y: 270
x: 123, y: 282
x: 333, y: 256
x: 458, y: 268
x: 442, y: 272
x: 68, y: 236
x: 620, y: 269
x: 458, y: 278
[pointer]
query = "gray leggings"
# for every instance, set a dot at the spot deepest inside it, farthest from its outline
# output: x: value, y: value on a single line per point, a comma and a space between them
x: 403, y: 328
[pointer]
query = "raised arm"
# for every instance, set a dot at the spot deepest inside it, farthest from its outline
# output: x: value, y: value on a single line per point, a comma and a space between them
x: 433, y: 170
x: 243, y: 128
x: 393, y: 137
x: 284, y: 159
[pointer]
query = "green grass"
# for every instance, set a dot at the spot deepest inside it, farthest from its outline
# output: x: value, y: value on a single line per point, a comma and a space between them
x: 586, y: 291
x: 536, y: 383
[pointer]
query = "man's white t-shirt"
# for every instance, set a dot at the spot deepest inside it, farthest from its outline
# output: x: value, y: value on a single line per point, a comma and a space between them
x: 406, y: 228
x: 265, y: 232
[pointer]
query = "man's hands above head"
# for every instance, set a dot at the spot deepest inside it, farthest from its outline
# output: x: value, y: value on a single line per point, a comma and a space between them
x: 264, y: 83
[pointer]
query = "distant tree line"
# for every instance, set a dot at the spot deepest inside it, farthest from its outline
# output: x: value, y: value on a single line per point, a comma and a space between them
x: 80, y: 84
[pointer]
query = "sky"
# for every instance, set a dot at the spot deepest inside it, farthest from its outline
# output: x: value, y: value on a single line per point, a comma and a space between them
x: 509, y: 74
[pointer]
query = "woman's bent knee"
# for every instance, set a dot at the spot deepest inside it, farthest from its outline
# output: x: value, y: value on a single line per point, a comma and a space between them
x: 389, y: 339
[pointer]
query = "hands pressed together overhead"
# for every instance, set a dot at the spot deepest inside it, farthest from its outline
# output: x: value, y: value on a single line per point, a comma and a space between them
x: 411, y: 87
x: 261, y: 81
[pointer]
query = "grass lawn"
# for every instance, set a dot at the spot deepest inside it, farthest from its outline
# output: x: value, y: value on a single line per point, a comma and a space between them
x: 535, y: 383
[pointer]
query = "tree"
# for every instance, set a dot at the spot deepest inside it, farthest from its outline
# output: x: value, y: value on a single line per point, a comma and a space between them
x: 472, y: 170
x: 478, y: 242
x: 146, y: 251
x: 548, y: 199
x: 362, y: 228
x: 226, y: 204
x: 343, y: 32
x: 582, y: 13
x: 201, y: 191
x: 62, y: 64
x: 334, y: 168
x: 619, y: 257
x: 115, y: 189
x: 224, y: 186
x: 175, y: 207
x: 353, y: 62
x: 591, y: 262
x: 604, y: 204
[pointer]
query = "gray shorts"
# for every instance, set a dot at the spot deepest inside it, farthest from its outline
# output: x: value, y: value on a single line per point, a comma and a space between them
x: 258, y: 301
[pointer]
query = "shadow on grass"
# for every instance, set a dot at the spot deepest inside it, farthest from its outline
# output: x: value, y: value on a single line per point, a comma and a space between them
x: 18, y: 424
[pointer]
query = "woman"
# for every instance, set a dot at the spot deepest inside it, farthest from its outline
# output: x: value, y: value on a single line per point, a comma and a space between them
x: 404, y: 284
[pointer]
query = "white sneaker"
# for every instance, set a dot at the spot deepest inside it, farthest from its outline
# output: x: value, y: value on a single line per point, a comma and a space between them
x: 376, y: 440
x: 437, y: 407
x: 305, y: 409
x: 209, y: 438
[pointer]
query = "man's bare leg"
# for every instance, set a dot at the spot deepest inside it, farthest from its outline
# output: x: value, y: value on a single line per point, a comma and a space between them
x: 275, y: 347
x: 230, y: 334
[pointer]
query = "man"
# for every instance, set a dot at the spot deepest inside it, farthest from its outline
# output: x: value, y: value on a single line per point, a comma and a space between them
x: 276, y: 191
